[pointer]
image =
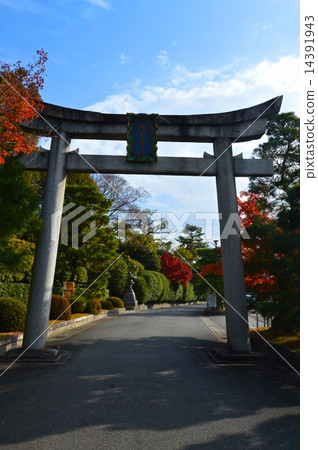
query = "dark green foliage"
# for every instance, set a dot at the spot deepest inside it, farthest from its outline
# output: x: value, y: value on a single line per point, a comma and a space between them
x: 20, y: 291
x: 153, y: 284
x: 19, y: 220
x: 154, y: 287
x: 289, y: 322
x: 12, y: 315
x: 18, y: 199
x: 118, y: 280
x: 107, y: 304
x: 142, y: 248
x: 192, y: 239
x: 188, y: 293
x: 278, y: 241
x: 166, y: 292
x: 140, y: 288
x: 284, y: 149
x: 133, y: 266
x: 87, y: 263
x: 79, y: 304
x: 60, y: 308
x: 117, y: 302
x: 178, y: 292
x: 94, y: 306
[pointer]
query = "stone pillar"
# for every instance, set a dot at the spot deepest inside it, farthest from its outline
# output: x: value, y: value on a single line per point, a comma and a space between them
x: 232, y: 262
x: 47, y: 246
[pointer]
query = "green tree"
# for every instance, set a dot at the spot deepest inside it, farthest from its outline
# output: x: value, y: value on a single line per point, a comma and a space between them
x: 192, y: 239
x: 286, y: 244
x: 274, y: 229
x: 100, y: 250
x: 19, y: 220
x: 142, y: 248
x: 208, y: 264
x: 283, y: 148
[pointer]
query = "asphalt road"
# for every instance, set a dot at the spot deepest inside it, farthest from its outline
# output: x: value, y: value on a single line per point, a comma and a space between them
x: 144, y: 381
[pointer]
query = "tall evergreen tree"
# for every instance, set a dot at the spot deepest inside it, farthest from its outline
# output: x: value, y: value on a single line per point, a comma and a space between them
x: 283, y: 148
x: 192, y: 239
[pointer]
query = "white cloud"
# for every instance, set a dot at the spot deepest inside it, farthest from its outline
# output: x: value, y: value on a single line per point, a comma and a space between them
x: 101, y: 3
x: 124, y: 59
x: 24, y: 5
x: 163, y: 58
x: 209, y: 90
x: 199, y: 92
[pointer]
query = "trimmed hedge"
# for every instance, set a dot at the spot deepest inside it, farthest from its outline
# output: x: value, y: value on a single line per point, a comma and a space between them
x: 79, y: 305
x: 60, y: 308
x: 107, y: 304
x: 140, y: 288
x: 118, y: 280
x: 116, y: 302
x: 188, y: 293
x: 18, y: 291
x: 12, y: 315
x: 154, y: 287
x: 94, y: 306
x: 178, y: 292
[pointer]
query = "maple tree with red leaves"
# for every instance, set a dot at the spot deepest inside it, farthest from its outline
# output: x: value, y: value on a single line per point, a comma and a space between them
x: 257, y: 278
x: 175, y: 270
x: 257, y: 251
x: 215, y: 269
x: 20, y: 101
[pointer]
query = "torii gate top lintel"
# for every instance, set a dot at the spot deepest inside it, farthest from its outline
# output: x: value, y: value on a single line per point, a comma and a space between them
x: 240, y: 125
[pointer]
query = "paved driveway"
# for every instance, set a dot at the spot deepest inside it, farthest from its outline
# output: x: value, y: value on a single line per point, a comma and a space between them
x: 144, y: 381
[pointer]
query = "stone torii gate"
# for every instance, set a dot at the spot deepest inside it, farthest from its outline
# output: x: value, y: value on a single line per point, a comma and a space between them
x: 221, y: 130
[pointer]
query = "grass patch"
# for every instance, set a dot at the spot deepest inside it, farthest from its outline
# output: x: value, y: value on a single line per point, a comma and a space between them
x: 73, y: 316
x: 287, y: 340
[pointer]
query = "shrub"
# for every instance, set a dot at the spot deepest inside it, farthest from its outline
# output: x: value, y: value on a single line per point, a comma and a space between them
x: 79, y: 304
x: 107, y: 304
x: 60, y: 308
x: 154, y: 286
x: 116, y: 302
x: 12, y: 315
x: 94, y: 306
x: 18, y: 291
x: 140, y: 289
x: 188, y: 293
x: 117, y: 283
x: 178, y: 292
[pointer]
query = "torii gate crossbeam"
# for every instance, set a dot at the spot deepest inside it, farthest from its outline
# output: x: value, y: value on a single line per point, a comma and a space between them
x: 222, y: 130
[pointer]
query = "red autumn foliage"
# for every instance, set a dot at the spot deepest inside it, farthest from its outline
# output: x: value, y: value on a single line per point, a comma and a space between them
x: 256, y: 252
x: 262, y: 283
x: 257, y: 279
x: 20, y: 102
x: 248, y: 209
x: 175, y: 270
x: 215, y: 269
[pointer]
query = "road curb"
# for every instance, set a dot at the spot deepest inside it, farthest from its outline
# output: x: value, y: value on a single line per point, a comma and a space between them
x: 15, y: 341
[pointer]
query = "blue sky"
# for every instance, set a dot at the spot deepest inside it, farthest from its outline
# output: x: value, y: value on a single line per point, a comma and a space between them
x: 163, y: 56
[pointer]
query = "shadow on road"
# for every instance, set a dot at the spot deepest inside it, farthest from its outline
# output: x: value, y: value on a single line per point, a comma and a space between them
x: 159, y: 388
